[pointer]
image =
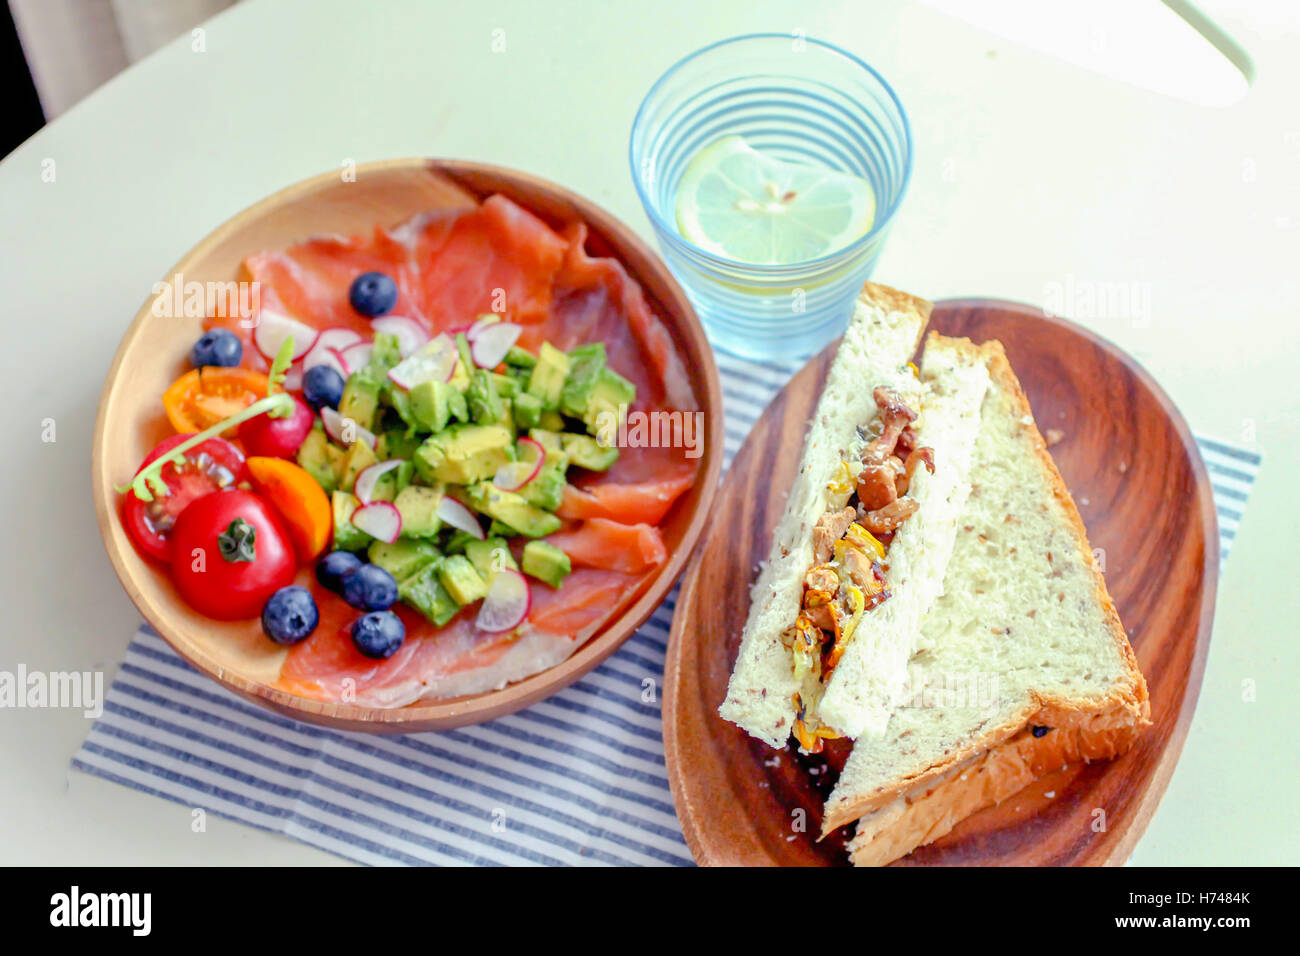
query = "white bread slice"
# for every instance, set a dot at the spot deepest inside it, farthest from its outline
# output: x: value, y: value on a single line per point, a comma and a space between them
x: 879, y: 342
x: 1025, y: 628
x: 872, y: 673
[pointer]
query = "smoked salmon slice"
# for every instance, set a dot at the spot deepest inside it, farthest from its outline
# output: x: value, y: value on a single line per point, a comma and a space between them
x: 643, y: 502
x: 458, y: 658
x: 601, y: 543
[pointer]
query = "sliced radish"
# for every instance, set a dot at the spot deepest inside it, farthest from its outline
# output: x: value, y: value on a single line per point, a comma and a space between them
x: 458, y: 516
x: 507, y: 603
x: 357, y: 356
x: 369, y: 477
x: 293, y: 378
x: 492, y: 343
x: 513, y: 475
x: 273, y: 328
x: 491, y: 318
x: 328, y: 350
x: 434, y: 362
x: 338, y: 427
x: 326, y: 356
x: 339, y: 338
x: 410, y: 334
x: 380, y: 520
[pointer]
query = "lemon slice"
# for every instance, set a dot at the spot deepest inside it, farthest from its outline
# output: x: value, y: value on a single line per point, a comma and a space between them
x: 741, y: 204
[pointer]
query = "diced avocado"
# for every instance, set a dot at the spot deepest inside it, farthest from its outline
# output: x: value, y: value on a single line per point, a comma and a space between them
x: 585, y: 364
x: 527, y: 410
x: 546, y: 562
x: 520, y: 358
x: 463, y: 454
x: 355, y: 460
x: 457, y: 542
x: 319, y: 458
x: 418, y: 507
x: 513, y: 509
x: 547, y: 379
x: 462, y: 581
x: 507, y: 386
x: 519, y: 376
x: 499, y: 529
x: 485, y: 405
x: 586, y: 452
x: 385, y: 353
x: 361, y: 399
x: 435, y: 404
x: 465, y: 364
x: 404, y: 557
x: 399, y: 399
x: 391, y: 483
x: 424, y: 592
x: 607, y: 402
x: 397, y: 443
x: 548, y: 439
x: 347, y: 537
x: 490, y: 556
x: 546, y: 491
x: 552, y: 421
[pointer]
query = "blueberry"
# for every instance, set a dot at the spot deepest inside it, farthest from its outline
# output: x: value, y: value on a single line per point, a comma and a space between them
x: 290, y: 615
x: 378, y: 634
x: 334, y: 567
x: 322, y: 385
x: 217, y: 347
x: 370, y: 588
x: 373, y: 294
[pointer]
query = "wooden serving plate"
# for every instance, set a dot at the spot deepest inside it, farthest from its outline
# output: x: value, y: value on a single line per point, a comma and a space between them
x: 1156, y: 522
x: 153, y: 353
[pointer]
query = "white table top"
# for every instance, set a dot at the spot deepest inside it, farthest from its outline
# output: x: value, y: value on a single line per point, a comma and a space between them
x: 1030, y: 174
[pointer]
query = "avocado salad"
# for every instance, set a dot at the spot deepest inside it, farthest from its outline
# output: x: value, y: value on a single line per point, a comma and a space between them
x: 417, y: 453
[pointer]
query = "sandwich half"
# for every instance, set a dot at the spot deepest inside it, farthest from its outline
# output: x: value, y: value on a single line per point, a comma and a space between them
x: 1022, y: 666
x: 870, y: 675
x: 858, y: 556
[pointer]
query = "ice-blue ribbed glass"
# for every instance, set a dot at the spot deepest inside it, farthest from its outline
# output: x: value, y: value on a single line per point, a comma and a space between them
x: 797, y: 99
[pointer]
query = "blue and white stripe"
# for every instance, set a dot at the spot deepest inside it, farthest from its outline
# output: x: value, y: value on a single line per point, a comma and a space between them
x: 576, y: 779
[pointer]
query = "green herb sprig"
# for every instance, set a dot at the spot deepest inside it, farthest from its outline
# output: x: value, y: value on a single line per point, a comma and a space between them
x: 276, y: 404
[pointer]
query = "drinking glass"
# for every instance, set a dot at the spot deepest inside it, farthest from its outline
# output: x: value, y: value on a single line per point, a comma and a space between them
x: 796, y: 99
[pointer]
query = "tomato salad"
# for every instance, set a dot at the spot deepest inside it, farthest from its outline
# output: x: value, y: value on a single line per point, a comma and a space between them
x: 427, y: 418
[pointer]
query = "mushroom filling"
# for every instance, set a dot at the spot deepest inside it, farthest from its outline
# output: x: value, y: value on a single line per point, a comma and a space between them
x: 850, y: 553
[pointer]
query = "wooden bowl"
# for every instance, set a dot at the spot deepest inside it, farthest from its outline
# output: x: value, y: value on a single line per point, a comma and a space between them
x: 1156, y: 522
x: 153, y: 354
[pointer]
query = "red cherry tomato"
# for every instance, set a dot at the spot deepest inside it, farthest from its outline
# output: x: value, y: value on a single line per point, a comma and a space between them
x: 230, y: 552
x: 211, y: 466
x: 269, y: 437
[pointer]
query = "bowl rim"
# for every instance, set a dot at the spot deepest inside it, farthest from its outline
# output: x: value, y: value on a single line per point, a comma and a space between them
x: 689, y: 340
x: 1131, y: 828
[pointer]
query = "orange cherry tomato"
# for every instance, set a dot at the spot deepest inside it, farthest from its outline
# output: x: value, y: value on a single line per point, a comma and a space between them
x: 300, y: 501
x: 204, y: 396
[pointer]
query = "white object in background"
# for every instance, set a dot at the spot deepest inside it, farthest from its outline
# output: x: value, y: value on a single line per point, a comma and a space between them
x: 1167, y: 47
x: 74, y: 46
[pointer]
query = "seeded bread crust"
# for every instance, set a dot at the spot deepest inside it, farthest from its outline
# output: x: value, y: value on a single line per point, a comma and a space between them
x: 1107, y: 719
x: 929, y: 811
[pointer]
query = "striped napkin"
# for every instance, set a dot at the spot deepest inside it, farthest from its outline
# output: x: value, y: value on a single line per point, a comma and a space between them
x: 576, y: 779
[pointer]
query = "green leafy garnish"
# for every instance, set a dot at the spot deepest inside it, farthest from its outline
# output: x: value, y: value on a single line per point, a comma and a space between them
x: 277, y: 404
x: 274, y: 378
